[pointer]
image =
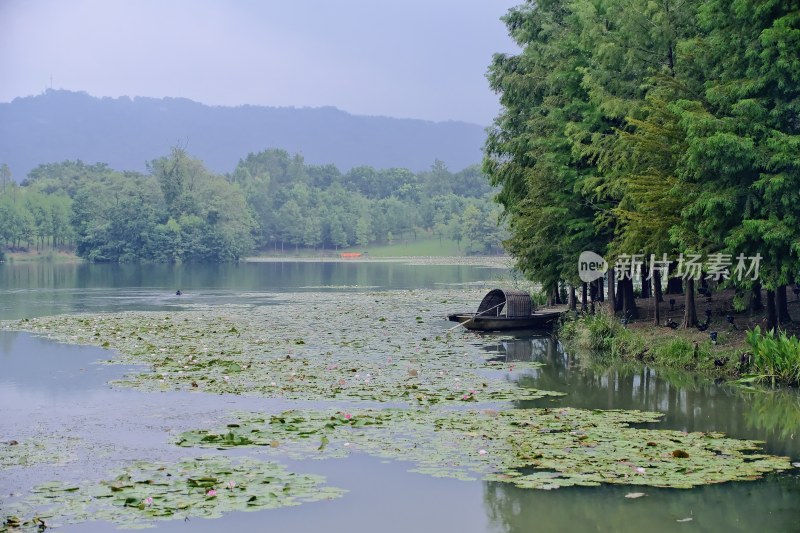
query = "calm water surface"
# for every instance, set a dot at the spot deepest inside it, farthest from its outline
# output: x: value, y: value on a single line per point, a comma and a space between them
x: 48, y: 388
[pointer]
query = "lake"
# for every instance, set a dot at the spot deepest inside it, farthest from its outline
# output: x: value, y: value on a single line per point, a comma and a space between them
x: 61, y: 392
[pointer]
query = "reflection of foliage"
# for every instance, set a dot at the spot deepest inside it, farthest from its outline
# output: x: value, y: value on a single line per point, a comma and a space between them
x: 773, y: 507
x: 532, y: 448
x: 774, y: 411
x: 143, y: 492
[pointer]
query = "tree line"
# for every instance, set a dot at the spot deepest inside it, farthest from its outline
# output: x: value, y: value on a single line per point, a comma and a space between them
x: 663, y: 127
x: 180, y: 211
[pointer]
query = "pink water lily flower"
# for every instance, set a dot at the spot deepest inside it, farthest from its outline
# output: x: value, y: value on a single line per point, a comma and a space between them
x: 231, y: 485
x: 348, y: 416
x: 211, y: 493
x: 148, y: 501
x: 482, y: 452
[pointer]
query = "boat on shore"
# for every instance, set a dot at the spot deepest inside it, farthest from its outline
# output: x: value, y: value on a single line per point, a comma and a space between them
x: 504, y: 310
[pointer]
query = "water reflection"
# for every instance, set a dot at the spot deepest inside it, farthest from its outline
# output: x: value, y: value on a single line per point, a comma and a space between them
x: 40, y: 288
x: 767, y: 505
x: 689, y: 404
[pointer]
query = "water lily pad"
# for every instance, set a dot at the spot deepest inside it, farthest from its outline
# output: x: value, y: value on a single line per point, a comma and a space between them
x: 145, y: 492
x: 537, y: 448
x: 319, y: 346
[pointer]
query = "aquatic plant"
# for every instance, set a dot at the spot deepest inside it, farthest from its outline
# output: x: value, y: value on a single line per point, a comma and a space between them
x: 536, y: 448
x: 144, y: 492
x: 315, y: 346
x: 776, y: 357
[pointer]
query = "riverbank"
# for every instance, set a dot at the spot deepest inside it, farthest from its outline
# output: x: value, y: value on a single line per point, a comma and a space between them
x: 53, y: 256
x: 492, y: 261
x: 718, y: 349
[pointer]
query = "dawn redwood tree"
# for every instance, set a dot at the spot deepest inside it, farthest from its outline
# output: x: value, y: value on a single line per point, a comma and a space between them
x: 529, y: 153
x: 743, y: 137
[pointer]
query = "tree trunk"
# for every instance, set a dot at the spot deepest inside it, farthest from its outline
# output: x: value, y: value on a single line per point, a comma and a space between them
x: 557, y: 291
x: 674, y: 285
x: 657, y: 296
x: 583, y: 297
x: 645, y: 282
x: 783, y: 308
x: 612, y: 297
x: 772, y: 315
x: 620, y: 296
x: 756, y: 304
x: 629, y: 309
x: 690, y: 314
x: 601, y: 289
x: 572, y: 298
x: 657, y: 286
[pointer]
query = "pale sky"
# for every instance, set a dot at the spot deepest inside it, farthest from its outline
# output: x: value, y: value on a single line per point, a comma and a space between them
x: 402, y: 58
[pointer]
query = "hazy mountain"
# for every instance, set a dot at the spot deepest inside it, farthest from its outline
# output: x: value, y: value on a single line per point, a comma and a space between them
x: 125, y: 133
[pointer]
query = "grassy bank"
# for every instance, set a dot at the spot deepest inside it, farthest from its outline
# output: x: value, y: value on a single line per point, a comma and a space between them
x: 752, y: 356
x: 413, y: 248
x: 603, y: 335
x: 423, y: 247
x: 52, y: 256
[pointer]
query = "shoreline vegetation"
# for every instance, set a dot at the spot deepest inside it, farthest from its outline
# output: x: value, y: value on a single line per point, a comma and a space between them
x: 728, y: 345
x: 669, y: 151
x: 489, y: 261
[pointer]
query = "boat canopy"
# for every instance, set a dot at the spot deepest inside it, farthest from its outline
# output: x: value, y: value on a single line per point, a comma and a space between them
x: 517, y: 303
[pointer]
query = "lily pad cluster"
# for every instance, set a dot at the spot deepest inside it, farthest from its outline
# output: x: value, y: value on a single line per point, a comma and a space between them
x: 49, y: 450
x: 532, y: 448
x: 314, y: 346
x: 145, y: 492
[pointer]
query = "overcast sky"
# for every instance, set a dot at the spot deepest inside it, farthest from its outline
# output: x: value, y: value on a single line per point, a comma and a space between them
x: 402, y: 58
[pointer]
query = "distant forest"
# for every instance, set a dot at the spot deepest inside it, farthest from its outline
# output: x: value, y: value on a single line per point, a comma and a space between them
x: 181, y: 211
x: 127, y: 132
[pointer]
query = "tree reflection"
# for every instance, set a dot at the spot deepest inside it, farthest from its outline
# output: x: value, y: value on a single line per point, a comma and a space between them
x: 689, y: 402
x: 725, y: 507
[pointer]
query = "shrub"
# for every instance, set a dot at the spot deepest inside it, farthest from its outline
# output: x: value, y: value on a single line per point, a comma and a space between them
x: 776, y: 358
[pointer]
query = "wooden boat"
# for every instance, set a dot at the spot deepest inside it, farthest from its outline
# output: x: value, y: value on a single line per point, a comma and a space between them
x: 503, y: 310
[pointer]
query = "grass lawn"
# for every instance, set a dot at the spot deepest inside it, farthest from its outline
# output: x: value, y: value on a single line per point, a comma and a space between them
x: 412, y: 248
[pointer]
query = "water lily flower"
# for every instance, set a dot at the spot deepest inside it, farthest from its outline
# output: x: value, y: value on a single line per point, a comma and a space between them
x: 274, y: 384
x: 640, y: 470
x: 347, y: 444
x: 482, y: 452
x: 148, y: 501
x: 226, y: 378
x: 211, y: 493
x: 348, y: 416
x: 231, y: 484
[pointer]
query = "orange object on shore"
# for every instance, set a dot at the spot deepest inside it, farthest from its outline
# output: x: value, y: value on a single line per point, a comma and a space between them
x: 349, y: 255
